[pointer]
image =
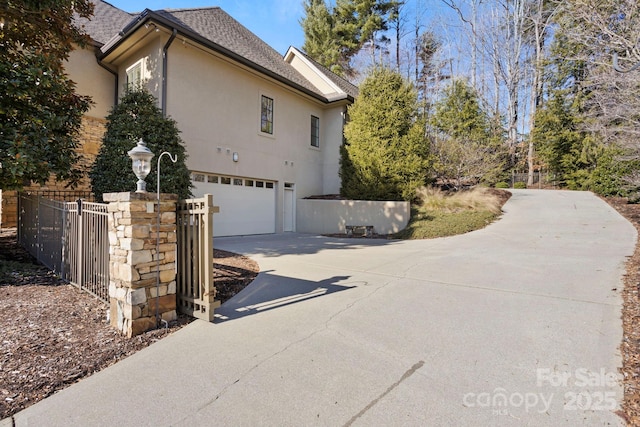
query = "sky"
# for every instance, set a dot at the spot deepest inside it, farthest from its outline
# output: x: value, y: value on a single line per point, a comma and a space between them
x: 274, y: 21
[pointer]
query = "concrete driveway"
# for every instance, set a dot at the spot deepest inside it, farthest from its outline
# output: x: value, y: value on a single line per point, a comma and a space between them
x: 517, y: 324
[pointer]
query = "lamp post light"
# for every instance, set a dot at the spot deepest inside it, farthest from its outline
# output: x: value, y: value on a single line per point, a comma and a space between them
x: 141, y: 164
x: 158, y: 319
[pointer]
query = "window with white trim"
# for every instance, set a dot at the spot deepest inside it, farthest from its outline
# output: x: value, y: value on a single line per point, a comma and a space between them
x: 134, y: 75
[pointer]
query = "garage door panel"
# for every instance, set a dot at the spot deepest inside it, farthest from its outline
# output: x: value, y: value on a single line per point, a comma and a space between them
x: 243, y: 210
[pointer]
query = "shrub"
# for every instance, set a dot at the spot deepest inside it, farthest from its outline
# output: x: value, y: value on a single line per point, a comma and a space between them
x: 137, y: 116
x: 430, y: 225
x: 438, y: 213
x: 478, y: 199
x: 385, y: 155
x: 501, y: 184
x: 609, y: 176
x: 520, y: 185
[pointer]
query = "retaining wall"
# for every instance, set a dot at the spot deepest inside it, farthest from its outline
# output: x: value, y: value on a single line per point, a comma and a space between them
x: 331, y: 216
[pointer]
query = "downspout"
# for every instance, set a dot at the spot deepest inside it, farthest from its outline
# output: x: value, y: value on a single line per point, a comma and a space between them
x: 117, y: 78
x: 164, y: 71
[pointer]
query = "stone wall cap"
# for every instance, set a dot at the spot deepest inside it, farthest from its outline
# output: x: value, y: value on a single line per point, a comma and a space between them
x: 133, y: 196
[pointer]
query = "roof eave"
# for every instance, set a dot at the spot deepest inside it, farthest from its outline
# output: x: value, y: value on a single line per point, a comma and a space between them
x: 149, y: 15
x: 295, y: 52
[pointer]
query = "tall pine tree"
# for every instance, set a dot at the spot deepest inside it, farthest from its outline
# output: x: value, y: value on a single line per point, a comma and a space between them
x: 333, y: 36
x: 320, y: 41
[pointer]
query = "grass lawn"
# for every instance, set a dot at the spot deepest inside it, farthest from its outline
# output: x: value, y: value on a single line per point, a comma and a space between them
x: 439, y: 214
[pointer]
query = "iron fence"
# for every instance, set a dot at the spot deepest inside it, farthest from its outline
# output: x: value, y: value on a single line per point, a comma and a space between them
x: 540, y: 179
x: 70, y: 238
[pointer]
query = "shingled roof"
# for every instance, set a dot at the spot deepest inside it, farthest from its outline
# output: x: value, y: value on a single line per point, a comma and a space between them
x: 212, y: 27
x: 106, y: 22
x: 219, y: 28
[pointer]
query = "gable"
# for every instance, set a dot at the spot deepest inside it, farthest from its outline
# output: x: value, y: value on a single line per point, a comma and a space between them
x: 332, y: 85
x: 213, y: 29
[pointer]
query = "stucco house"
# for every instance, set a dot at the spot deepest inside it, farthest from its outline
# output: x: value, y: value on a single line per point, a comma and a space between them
x: 261, y: 130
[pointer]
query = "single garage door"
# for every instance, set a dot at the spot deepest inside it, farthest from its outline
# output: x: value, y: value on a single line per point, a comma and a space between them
x: 247, y: 205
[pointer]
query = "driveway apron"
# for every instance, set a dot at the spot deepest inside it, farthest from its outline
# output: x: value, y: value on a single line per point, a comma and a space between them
x: 516, y: 324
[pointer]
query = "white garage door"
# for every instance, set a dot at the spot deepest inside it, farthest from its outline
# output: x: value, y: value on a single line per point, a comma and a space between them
x: 247, y: 206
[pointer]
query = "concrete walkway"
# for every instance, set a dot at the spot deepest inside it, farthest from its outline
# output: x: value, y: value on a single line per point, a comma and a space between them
x: 517, y: 324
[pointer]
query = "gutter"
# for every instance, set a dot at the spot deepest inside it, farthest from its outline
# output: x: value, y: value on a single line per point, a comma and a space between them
x: 165, y: 61
x: 148, y: 15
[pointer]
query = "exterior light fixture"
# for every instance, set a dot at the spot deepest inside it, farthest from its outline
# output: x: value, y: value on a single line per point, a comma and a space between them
x: 235, y: 157
x: 141, y: 164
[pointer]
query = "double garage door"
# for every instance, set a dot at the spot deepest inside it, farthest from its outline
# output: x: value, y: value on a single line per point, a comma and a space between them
x: 247, y: 206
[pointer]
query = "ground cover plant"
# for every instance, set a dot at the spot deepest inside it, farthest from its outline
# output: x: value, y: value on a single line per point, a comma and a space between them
x: 439, y: 214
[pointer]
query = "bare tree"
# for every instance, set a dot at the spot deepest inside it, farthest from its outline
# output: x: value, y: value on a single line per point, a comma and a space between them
x: 605, y: 29
x: 398, y: 20
x: 472, y: 21
x: 541, y: 18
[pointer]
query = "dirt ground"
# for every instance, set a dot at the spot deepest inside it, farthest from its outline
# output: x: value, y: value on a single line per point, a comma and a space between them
x: 53, y: 334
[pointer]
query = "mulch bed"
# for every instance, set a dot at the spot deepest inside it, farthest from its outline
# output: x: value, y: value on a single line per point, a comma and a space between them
x: 630, y: 346
x: 53, y: 334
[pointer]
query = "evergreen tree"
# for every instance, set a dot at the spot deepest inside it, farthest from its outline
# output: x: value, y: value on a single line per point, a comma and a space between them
x: 138, y: 116
x: 360, y: 20
x: 468, y: 147
x: 578, y: 159
x: 561, y: 145
x: 40, y: 112
x: 610, y: 177
x: 426, y: 75
x: 576, y: 155
x: 320, y: 41
x: 385, y: 156
x: 603, y: 104
x: 333, y: 36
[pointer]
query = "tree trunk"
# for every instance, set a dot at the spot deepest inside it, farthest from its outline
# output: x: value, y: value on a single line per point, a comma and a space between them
x: 537, y: 85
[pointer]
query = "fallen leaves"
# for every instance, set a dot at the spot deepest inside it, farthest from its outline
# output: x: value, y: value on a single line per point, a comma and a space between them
x: 630, y: 346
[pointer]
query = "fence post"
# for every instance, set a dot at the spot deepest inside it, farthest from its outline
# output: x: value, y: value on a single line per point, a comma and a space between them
x: 209, y: 291
x: 133, y: 296
x: 196, y: 290
x: 63, y: 244
x: 39, y: 229
x: 20, y: 224
x: 80, y: 247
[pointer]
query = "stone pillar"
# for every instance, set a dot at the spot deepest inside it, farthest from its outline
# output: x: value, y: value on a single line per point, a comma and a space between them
x: 133, y: 260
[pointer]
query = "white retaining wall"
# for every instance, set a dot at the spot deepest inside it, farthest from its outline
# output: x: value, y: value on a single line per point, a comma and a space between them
x: 331, y: 216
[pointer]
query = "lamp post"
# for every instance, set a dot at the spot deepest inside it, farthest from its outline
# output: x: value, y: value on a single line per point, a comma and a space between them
x: 141, y: 164
x: 173, y: 159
